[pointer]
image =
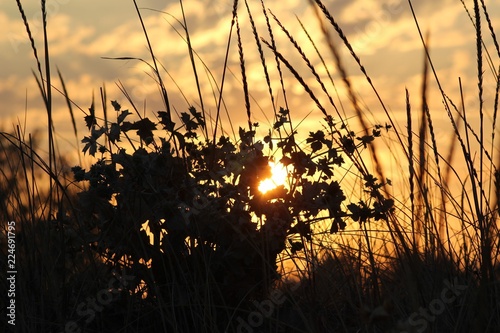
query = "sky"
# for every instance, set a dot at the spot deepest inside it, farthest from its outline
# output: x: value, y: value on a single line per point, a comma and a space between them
x: 83, y: 33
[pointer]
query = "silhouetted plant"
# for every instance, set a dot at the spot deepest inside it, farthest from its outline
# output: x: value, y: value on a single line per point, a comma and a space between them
x: 212, y: 231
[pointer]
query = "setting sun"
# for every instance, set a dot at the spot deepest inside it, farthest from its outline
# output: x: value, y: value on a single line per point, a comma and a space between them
x: 278, y: 177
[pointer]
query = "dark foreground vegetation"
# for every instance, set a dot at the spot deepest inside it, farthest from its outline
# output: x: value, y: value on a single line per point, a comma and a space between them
x: 167, y: 230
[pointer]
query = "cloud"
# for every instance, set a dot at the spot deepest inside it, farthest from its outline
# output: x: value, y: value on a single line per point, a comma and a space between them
x: 81, y: 33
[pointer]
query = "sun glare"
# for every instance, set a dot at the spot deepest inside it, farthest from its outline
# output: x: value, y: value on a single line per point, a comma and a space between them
x: 278, y: 177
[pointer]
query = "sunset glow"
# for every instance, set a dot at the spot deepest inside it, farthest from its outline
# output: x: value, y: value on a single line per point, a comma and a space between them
x: 279, y: 174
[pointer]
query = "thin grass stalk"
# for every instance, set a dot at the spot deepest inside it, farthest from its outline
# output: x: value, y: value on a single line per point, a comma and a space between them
x: 325, y: 67
x: 338, y: 61
x: 445, y: 189
x: 243, y: 74
x: 308, y: 63
x: 34, y: 190
x: 465, y: 148
x: 358, y: 162
x: 262, y: 58
x: 488, y: 57
x: 104, y: 103
x: 493, y: 131
x: 490, y: 27
x: 36, y: 161
x: 423, y: 165
x: 193, y: 64
x: 442, y: 224
x: 466, y: 124
x: 411, y: 171
x: 374, y: 273
x: 479, y: 50
x: 71, y: 113
x: 483, y: 253
x: 224, y: 68
x: 451, y: 152
x: 209, y: 73
x: 464, y: 143
x: 25, y: 168
x: 427, y: 53
x: 393, y: 227
x: 345, y: 79
x: 48, y: 102
x: 32, y: 42
x: 278, y: 64
x: 348, y: 45
x: 153, y: 58
x: 428, y: 123
x: 486, y: 268
x: 296, y: 76
x: 161, y: 84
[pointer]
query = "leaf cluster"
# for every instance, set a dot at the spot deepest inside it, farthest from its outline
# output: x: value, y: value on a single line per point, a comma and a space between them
x: 188, y: 205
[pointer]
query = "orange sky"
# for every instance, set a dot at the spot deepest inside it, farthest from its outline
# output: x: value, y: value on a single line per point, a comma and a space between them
x: 82, y: 32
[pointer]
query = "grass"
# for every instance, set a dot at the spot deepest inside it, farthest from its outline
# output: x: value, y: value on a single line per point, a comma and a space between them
x: 220, y: 257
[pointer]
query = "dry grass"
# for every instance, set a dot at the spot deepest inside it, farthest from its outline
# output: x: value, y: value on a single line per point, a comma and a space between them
x: 430, y: 266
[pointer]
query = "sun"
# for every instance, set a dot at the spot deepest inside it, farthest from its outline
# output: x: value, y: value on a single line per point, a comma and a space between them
x: 278, y: 177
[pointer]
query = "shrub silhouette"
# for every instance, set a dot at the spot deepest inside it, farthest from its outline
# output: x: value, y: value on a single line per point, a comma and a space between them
x: 214, y: 236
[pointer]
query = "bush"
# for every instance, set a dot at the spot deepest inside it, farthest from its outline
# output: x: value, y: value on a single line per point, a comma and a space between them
x: 187, y: 217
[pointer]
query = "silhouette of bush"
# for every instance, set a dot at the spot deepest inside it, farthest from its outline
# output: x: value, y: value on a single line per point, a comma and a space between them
x: 214, y: 236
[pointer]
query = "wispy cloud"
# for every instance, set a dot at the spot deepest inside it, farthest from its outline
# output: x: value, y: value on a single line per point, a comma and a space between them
x: 383, y: 33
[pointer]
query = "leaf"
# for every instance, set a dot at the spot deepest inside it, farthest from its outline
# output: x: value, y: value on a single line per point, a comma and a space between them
x: 190, y: 124
x: 287, y: 144
x: 126, y: 126
x: 382, y: 209
x: 348, y: 144
x: 334, y: 197
x: 114, y: 133
x: 91, y: 141
x: 78, y: 173
x: 337, y: 224
x: 366, y: 140
x: 283, y: 112
x: 145, y: 128
x: 324, y: 167
x: 316, y: 145
x: 282, y: 118
x: 180, y: 137
x: 90, y: 145
x: 90, y: 119
x: 166, y: 121
x: 268, y: 139
x: 296, y: 246
x: 197, y: 115
x: 259, y: 146
x: 317, y: 140
x: 359, y: 212
x: 116, y: 105
x: 123, y: 115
